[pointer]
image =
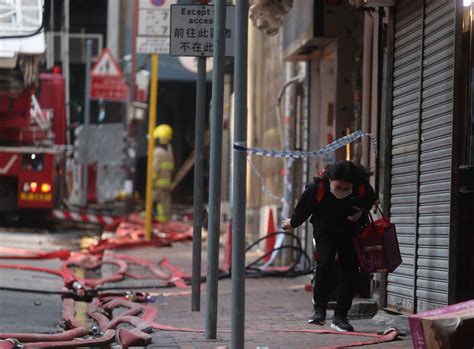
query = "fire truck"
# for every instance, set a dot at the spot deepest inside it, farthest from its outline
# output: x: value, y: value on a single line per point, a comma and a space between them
x: 32, y: 114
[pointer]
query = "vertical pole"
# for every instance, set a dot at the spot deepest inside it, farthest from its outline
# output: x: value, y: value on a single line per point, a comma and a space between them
x: 50, y: 52
x: 87, y: 115
x: 113, y: 27
x: 239, y: 178
x: 65, y: 60
x: 366, y: 86
x: 151, y: 143
x: 198, y: 201
x: 217, y: 109
x: 133, y: 52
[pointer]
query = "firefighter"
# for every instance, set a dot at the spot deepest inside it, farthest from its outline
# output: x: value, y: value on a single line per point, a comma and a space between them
x: 163, y: 167
x: 338, y: 202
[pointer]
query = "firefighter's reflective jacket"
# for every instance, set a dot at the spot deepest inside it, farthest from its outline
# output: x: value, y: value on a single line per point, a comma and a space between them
x: 163, y: 166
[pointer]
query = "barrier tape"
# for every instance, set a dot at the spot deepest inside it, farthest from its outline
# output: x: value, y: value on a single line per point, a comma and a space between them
x: 339, y: 143
x: 262, y: 181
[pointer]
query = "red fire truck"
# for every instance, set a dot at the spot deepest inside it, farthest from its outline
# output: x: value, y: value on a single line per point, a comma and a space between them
x: 32, y: 146
x: 32, y: 114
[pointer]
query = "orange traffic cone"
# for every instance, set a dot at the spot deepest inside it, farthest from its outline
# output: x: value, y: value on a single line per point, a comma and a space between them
x: 270, y: 242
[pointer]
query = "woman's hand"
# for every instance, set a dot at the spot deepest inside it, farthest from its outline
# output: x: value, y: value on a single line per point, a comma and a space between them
x: 356, y: 216
x: 285, y: 224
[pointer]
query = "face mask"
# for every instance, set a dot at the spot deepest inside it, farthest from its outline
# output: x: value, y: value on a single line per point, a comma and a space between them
x: 340, y: 194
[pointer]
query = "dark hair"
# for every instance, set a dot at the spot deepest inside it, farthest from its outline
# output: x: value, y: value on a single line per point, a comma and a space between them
x: 347, y: 171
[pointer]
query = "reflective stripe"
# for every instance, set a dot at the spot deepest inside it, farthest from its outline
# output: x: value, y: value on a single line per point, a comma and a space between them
x: 161, y: 182
x: 167, y: 165
x: 161, y: 217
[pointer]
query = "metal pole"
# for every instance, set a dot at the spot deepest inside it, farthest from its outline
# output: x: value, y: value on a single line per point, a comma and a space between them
x: 50, y: 53
x: 239, y: 177
x: 65, y: 60
x: 113, y: 20
x: 87, y: 116
x: 217, y: 109
x: 198, y: 183
x: 133, y: 53
x: 151, y: 143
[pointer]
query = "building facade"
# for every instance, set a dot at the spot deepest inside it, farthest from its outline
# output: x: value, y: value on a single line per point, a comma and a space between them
x: 404, y: 73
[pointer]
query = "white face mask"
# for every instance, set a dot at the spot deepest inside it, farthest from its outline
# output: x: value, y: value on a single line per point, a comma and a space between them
x: 340, y: 194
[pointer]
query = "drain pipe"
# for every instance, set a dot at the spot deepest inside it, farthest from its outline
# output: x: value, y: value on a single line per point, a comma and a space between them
x: 286, y: 138
x: 289, y: 143
x: 366, y: 85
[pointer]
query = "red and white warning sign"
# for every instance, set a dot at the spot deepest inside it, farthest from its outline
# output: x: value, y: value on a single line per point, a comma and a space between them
x: 107, y: 80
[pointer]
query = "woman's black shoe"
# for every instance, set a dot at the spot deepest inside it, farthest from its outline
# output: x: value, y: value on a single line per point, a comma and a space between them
x: 318, y: 317
x: 340, y: 323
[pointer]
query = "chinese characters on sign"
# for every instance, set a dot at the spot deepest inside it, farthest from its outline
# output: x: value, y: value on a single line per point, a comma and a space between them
x: 154, y: 26
x: 192, y: 30
x: 107, y: 81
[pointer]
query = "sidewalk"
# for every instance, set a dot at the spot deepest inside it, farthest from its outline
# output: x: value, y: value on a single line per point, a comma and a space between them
x: 272, y: 305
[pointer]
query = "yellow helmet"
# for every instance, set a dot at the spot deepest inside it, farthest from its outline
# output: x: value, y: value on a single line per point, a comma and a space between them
x: 163, y: 133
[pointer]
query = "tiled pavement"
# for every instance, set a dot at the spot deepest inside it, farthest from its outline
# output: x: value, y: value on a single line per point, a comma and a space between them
x: 272, y: 305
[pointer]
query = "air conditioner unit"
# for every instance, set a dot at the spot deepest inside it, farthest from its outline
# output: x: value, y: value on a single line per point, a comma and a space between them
x: 311, y: 25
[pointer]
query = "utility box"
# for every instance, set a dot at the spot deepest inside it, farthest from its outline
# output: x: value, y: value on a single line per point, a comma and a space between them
x: 312, y: 25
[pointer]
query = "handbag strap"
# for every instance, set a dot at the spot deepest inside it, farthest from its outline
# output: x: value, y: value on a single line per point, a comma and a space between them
x: 377, y: 208
x: 371, y: 219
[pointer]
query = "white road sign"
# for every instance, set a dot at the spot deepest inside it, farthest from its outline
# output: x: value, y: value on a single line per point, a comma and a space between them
x: 154, y: 22
x: 153, y: 44
x: 192, y: 30
x: 154, y: 26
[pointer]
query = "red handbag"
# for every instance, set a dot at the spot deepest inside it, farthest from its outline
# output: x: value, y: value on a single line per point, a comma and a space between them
x: 377, y: 246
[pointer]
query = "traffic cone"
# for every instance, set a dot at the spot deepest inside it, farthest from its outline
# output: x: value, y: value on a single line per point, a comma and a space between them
x: 270, y: 242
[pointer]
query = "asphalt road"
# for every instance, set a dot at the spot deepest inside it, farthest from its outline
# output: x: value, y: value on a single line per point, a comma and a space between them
x: 27, y: 300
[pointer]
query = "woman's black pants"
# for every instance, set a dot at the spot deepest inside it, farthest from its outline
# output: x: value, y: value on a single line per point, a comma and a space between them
x: 328, y: 245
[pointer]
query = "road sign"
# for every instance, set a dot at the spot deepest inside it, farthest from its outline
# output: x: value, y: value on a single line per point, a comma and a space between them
x: 154, y: 26
x: 192, y: 30
x: 107, y: 80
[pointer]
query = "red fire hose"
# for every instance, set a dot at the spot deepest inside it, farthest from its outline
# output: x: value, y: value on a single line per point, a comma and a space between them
x: 67, y: 275
x: 18, y: 253
x: 107, y: 338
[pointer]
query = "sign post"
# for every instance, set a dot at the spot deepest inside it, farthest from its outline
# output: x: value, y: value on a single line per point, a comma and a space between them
x: 192, y: 34
x: 239, y: 176
x: 198, y: 200
x: 151, y: 144
x: 87, y: 113
x: 104, y: 82
x: 153, y: 38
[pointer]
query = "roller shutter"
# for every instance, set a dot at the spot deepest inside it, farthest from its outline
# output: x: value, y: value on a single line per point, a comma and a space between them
x: 420, y: 190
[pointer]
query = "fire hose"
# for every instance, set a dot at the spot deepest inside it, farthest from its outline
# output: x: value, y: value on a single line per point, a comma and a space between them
x: 75, y: 330
x: 140, y: 334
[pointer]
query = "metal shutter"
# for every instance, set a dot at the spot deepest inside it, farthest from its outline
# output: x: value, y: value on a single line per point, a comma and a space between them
x: 421, y: 152
x: 403, y: 179
x: 435, y: 158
